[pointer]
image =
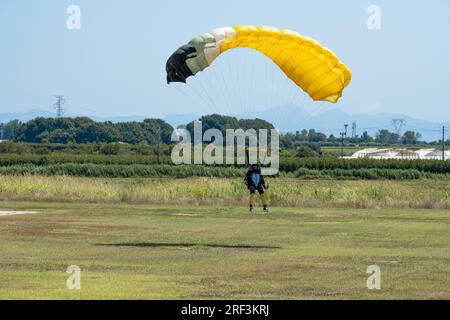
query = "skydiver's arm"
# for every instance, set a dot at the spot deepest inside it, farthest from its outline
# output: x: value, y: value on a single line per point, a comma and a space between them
x: 247, y: 178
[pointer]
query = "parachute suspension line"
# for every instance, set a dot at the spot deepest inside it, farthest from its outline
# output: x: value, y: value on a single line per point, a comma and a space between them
x: 188, y: 96
x: 249, y: 72
x: 290, y: 89
x: 228, y: 92
x: 269, y: 85
x: 321, y: 106
x: 301, y: 103
x: 212, y: 104
x: 213, y: 90
x: 278, y: 83
x: 272, y: 87
x: 252, y: 76
x: 232, y: 84
x: 285, y: 115
x: 283, y: 112
x: 209, y: 89
x: 221, y: 89
x: 239, y: 74
x: 284, y: 101
x: 201, y: 97
x: 286, y: 88
x: 266, y: 91
x: 239, y: 83
x: 268, y: 82
x: 244, y: 78
x: 233, y: 78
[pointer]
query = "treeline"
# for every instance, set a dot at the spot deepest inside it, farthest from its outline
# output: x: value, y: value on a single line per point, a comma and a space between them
x: 84, y: 130
x: 154, y: 131
x: 383, y: 138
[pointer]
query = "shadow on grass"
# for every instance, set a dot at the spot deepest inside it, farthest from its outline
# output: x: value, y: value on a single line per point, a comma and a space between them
x: 186, y: 245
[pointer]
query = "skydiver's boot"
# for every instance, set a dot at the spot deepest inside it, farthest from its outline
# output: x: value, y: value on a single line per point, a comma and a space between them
x: 250, y: 210
x: 264, y: 201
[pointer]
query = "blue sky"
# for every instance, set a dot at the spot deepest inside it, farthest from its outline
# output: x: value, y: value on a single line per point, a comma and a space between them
x: 115, y: 65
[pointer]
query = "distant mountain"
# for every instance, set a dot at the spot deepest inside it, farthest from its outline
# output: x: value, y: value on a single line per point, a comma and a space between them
x: 176, y: 120
x: 291, y: 118
x: 116, y: 119
x: 286, y: 118
x: 34, y: 113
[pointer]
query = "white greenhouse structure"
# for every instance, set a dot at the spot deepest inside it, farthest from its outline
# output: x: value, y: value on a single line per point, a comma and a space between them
x: 376, y: 153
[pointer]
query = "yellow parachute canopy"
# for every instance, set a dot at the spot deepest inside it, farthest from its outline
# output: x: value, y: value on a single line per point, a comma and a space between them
x: 311, y: 66
x: 314, y: 68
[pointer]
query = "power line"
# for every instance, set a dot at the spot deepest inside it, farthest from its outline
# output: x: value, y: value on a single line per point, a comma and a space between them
x: 58, y: 105
x: 398, y: 124
x: 443, y: 143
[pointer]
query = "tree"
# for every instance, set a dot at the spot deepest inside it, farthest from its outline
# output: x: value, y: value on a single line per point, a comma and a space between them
x: 306, y: 152
x: 332, y: 139
x: 222, y: 123
x: 365, y: 137
x: 8, y: 129
x: 287, y: 141
x: 302, y: 136
x: 411, y: 137
x: 384, y: 136
x: 110, y: 149
x: 314, y: 136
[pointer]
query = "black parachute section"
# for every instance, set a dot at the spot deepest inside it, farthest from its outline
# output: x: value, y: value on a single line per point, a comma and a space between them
x: 176, y: 67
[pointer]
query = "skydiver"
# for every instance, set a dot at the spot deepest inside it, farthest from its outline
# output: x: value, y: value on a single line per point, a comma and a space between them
x: 255, y: 182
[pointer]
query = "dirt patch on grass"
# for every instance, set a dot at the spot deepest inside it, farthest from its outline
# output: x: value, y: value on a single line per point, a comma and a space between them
x: 14, y: 213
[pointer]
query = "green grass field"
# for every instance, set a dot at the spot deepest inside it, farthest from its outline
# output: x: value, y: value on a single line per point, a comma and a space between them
x: 220, y: 252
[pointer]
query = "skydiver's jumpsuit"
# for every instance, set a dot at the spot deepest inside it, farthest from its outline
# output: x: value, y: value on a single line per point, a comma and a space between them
x: 255, y: 181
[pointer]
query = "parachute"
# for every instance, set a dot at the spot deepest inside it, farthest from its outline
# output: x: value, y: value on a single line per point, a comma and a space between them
x: 311, y: 66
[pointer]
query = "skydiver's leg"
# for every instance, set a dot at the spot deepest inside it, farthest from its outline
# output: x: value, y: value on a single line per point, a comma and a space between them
x: 252, y: 197
x: 263, y: 196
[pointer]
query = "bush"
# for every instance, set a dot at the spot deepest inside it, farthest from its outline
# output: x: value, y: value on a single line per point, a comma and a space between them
x: 122, y: 171
x: 110, y: 149
x: 430, y: 166
x: 364, y: 174
x: 306, y: 152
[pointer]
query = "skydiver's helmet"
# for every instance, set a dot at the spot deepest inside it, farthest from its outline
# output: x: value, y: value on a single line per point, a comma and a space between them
x: 255, y: 167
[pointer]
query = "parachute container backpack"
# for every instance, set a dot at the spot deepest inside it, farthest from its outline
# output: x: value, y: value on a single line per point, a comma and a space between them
x: 311, y: 66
